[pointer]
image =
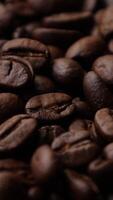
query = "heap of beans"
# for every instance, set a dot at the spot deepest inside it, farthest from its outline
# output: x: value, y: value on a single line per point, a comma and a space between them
x: 56, y: 100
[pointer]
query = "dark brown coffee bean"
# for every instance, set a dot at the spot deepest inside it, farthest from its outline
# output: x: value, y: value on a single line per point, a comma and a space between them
x: 33, y: 51
x: 10, y: 165
x: 11, y: 186
x: 78, y: 154
x: 76, y: 20
x: 86, y: 49
x: 14, y: 72
x: 6, y: 20
x: 67, y: 72
x: 51, y: 106
x: 108, y: 152
x: 70, y: 138
x: 21, y: 9
x: 25, y: 30
x: 44, y: 164
x: 44, y: 8
x: 83, y: 110
x: 95, y: 136
x: 100, y: 168
x: 43, y: 85
x: 103, y: 67
x: 81, y: 187
x: 106, y: 26
x: 96, y: 92
x: 104, y: 123
x: 15, y: 132
x: 48, y: 133
x: 55, y: 51
x: 79, y: 125
x: 51, y: 36
x: 10, y: 104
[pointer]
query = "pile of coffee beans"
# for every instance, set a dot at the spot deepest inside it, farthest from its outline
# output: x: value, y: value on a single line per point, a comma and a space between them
x: 56, y: 99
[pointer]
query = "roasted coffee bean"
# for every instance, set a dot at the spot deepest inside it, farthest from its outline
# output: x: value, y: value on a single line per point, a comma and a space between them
x: 81, y: 187
x: 14, y: 72
x: 55, y: 51
x: 104, y: 123
x: 97, y: 93
x: 48, y: 133
x: 77, y: 21
x: 106, y: 26
x: 6, y: 20
x: 70, y: 138
x: 15, y: 132
x: 78, y: 154
x: 11, y: 186
x: 103, y: 67
x: 42, y: 85
x: 11, y: 165
x: 10, y: 104
x: 100, y: 168
x: 44, y: 8
x: 83, y: 110
x: 67, y: 72
x: 80, y: 125
x: 58, y: 37
x: 95, y: 136
x: 108, y: 151
x: 33, y: 51
x: 44, y: 164
x: 51, y: 106
x: 86, y: 49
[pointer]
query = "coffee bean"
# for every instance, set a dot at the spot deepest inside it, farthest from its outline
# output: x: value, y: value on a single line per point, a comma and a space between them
x: 103, y: 67
x: 78, y: 154
x: 44, y: 164
x: 86, y: 49
x: 14, y: 72
x: 103, y: 123
x: 106, y: 27
x: 11, y: 165
x: 42, y: 85
x: 79, y: 125
x: 108, y: 151
x: 81, y: 187
x: 48, y: 133
x: 67, y: 72
x: 11, y: 186
x: 55, y: 51
x: 44, y: 8
x: 83, y: 110
x: 33, y: 51
x: 97, y: 93
x: 75, y: 20
x: 15, y: 132
x: 51, y: 106
x: 58, y: 37
x: 10, y: 104
x: 99, y: 168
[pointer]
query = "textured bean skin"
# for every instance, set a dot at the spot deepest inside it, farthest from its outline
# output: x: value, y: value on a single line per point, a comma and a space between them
x: 52, y: 106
